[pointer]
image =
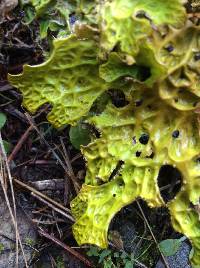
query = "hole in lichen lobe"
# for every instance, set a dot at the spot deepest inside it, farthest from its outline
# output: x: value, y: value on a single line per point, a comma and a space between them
x: 169, y: 182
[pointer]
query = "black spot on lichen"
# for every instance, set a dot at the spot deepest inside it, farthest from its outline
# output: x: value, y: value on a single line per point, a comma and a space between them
x: 121, y: 183
x: 198, y: 160
x: 195, y: 104
x: 151, y: 155
x: 144, y: 138
x: 138, y: 103
x: 116, y: 171
x: 197, y: 56
x: 118, y: 98
x: 138, y: 154
x: 169, y: 48
x: 175, y: 134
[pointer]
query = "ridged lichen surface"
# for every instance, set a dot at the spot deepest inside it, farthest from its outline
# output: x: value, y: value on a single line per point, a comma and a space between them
x: 150, y: 51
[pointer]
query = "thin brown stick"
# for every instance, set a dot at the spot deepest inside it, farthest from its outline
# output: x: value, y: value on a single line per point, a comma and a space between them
x: 30, y: 119
x: 12, y: 214
x: 152, y: 234
x: 76, y: 157
x: 3, y: 179
x: 53, y: 185
x: 5, y: 87
x: 16, y: 113
x: 43, y: 162
x: 19, y: 144
x: 193, y: 14
x: 47, y: 222
x: 67, y: 248
x: 31, y: 189
x: 69, y: 166
x: 53, y: 207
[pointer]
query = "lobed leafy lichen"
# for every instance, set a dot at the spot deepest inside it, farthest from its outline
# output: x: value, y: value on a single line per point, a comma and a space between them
x: 66, y: 81
x: 151, y: 52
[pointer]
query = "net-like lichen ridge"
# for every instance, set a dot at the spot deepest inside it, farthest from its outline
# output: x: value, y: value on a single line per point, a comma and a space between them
x: 157, y: 126
x: 65, y: 80
x: 121, y: 131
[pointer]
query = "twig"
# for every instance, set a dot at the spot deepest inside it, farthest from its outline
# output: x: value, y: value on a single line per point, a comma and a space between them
x: 13, y: 111
x: 76, y: 157
x: 31, y: 189
x: 43, y: 162
x: 5, y: 87
x: 46, y: 215
x: 19, y: 144
x: 169, y: 185
x: 47, y: 222
x: 152, y: 234
x: 53, y: 207
x: 38, y: 162
x: 141, y: 265
x: 67, y: 248
x: 54, y: 184
x: 47, y: 144
x: 69, y: 166
x: 193, y: 14
x: 12, y: 215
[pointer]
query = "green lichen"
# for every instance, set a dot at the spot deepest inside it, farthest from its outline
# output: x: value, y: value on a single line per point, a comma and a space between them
x: 130, y: 23
x: 121, y: 130
x: 81, y: 8
x: 155, y: 63
x: 42, y: 5
x: 66, y: 81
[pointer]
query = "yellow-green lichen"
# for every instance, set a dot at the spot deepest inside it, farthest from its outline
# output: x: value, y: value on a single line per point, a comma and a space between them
x: 130, y: 23
x: 156, y: 64
x: 69, y: 81
x: 121, y: 129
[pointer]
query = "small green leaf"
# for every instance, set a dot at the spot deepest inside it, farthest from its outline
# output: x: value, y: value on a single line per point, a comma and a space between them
x: 108, y: 264
x: 42, y: 6
x: 29, y: 14
x: 44, y: 25
x: 93, y: 251
x: 123, y: 255
x: 2, y: 120
x: 169, y: 247
x: 129, y: 264
x: 56, y: 25
x: 7, y: 146
x: 104, y: 254
x: 1, y: 247
x: 116, y: 254
x: 79, y: 135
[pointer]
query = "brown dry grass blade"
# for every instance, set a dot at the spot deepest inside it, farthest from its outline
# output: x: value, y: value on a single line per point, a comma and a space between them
x: 4, y: 176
